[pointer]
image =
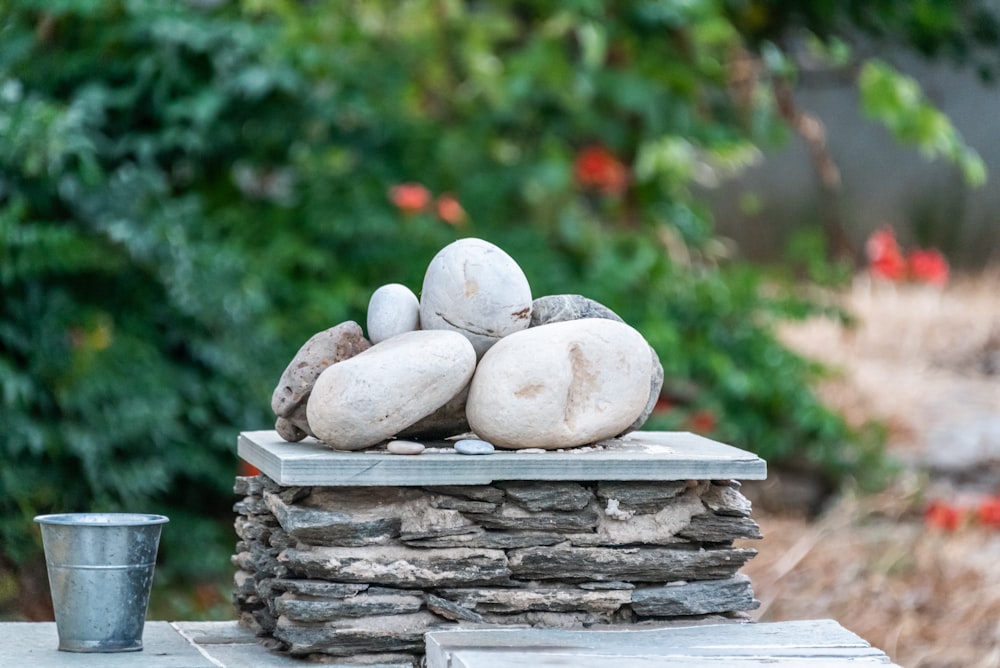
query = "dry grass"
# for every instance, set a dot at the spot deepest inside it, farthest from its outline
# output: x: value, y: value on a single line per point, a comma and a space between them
x: 917, y: 357
x: 921, y: 360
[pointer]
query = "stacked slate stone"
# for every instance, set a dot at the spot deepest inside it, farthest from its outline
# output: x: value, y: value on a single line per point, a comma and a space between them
x: 362, y: 573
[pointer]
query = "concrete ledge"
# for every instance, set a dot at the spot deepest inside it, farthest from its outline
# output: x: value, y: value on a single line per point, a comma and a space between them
x: 165, y: 645
x: 641, y: 455
x: 816, y: 643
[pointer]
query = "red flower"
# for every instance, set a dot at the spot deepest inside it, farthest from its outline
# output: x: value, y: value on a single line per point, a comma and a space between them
x: 940, y: 515
x: 248, y: 469
x: 885, y: 260
x: 928, y: 266
x: 702, y: 422
x: 449, y: 210
x: 663, y: 405
x: 410, y: 197
x: 989, y: 512
x: 596, y: 167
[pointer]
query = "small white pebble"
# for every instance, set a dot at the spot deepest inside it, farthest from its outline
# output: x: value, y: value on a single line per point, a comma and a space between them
x: 405, y: 447
x: 474, y: 446
x: 532, y: 451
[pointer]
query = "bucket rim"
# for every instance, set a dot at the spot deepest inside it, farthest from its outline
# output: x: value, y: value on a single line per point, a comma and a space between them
x: 102, y: 519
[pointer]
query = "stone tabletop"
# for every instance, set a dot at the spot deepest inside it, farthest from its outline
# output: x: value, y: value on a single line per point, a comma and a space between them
x: 815, y: 643
x: 165, y: 645
x: 641, y: 455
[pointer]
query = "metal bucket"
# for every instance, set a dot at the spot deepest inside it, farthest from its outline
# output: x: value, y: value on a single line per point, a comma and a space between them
x: 100, y: 568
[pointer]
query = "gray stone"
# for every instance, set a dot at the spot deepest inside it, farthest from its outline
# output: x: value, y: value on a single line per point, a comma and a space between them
x: 242, y: 560
x: 726, y: 500
x: 318, y: 588
x: 400, y: 566
x: 321, y: 351
x: 392, y: 309
x: 423, y: 520
x: 251, y: 505
x: 473, y: 446
x: 473, y: 492
x: 361, y: 605
x: 280, y: 539
x: 560, y: 385
x: 404, y: 447
x: 451, y: 610
x: 695, y: 598
x: 253, y: 485
x: 562, y: 308
x: 463, y: 505
x: 473, y: 287
x: 249, y: 529
x: 498, y: 540
x: 449, y: 420
x: 292, y: 494
x: 606, y: 585
x: 640, y: 564
x: 543, y: 619
x: 244, y: 584
x: 548, y: 495
x: 642, y: 497
x: 550, y: 599
x: 378, y: 393
x: 362, y: 520
x: 512, y: 517
x: 349, y: 637
x: 295, y: 426
x: 712, y: 528
x: 289, y: 431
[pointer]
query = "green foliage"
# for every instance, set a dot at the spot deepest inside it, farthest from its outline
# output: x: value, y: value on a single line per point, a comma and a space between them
x: 128, y: 315
x: 809, y: 256
x: 190, y: 190
x: 899, y: 103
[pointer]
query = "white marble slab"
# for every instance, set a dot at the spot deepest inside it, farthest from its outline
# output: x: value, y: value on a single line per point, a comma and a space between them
x: 643, y: 455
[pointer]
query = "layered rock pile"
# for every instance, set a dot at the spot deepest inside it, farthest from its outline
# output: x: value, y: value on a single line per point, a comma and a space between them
x: 364, y: 572
x: 475, y: 353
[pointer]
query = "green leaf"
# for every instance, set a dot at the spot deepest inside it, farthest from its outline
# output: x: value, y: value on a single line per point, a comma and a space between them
x: 897, y: 101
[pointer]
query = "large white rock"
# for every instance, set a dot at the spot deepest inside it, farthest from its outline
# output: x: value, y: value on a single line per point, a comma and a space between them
x: 475, y: 288
x: 393, y: 309
x: 560, y: 308
x: 560, y: 385
x: 375, y: 395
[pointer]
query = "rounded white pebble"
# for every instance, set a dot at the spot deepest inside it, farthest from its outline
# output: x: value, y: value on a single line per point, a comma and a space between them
x: 532, y: 451
x: 473, y: 446
x: 393, y: 309
x: 475, y: 288
x: 405, y: 447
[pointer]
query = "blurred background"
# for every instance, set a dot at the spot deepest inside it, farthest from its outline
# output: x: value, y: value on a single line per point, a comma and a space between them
x: 790, y: 200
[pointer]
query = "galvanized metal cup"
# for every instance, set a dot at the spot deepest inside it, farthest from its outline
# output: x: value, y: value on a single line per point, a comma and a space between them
x: 100, y: 568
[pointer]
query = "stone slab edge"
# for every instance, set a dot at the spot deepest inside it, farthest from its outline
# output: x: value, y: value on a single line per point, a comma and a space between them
x: 820, y: 642
x: 644, y: 455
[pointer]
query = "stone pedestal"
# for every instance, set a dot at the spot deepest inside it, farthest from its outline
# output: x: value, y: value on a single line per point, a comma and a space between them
x: 358, y: 554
